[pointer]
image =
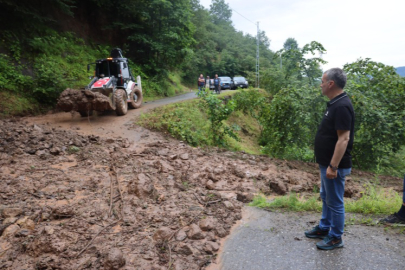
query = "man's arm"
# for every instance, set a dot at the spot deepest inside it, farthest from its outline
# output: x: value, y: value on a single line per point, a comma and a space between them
x: 340, y: 148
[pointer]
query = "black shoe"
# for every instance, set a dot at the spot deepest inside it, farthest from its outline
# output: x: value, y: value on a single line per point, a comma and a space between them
x: 329, y: 243
x: 316, y: 232
x: 393, y: 219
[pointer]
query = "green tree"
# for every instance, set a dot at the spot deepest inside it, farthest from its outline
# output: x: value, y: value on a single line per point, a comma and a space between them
x: 290, y: 44
x: 221, y: 12
x: 378, y: 97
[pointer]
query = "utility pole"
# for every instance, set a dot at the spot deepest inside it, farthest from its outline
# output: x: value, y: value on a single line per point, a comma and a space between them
x: 257, y: 57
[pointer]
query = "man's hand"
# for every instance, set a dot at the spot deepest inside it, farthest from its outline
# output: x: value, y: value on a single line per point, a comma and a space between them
x: 330, y: 174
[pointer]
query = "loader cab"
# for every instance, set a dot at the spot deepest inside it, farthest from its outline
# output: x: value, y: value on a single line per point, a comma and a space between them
x: 117, y: 67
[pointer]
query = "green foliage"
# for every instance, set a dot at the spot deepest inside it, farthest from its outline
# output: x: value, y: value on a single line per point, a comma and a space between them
x: 11, y: 77
x: 190, y: 121
x: 56, y: 61
x: 159, y: 32
x: 31, y: 14
x: 290, y: 202
x: 374, y: 200
x: 181, y: 120
x: 254, y: 103
x: 12, y: 104
x: 220, y: 11
x: 73, y: 150
x: 378, y: 95
x: 219, y: 48
x: 218, y: 110
x: 290, y: 124
x: 273, y: 80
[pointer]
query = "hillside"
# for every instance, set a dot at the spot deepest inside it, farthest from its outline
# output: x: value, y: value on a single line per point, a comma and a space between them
x: 45, y: 46
x: 401, y: 71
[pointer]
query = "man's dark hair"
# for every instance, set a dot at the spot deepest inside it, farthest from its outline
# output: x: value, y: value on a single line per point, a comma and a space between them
x: 337, y: 75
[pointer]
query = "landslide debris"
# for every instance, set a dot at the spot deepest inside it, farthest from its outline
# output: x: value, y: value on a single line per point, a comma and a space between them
x: 83, y: 101
x: 69, y: 201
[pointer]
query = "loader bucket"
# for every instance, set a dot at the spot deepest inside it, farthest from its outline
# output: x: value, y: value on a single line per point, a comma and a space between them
x: 84, y: 100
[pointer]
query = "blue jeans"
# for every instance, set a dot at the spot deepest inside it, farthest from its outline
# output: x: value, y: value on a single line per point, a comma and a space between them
x: 200, y: 88
x: 333, y: 208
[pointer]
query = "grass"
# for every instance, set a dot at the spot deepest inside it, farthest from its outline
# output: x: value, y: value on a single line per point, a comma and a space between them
x: 186, y: 121
x: 374, y: 200
x: 13, y: 104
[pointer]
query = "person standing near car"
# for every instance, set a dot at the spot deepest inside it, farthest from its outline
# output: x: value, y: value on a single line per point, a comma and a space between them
x: 217, y: 84
x: 333, y: 144
x: 201, y: 83
x: 207, y: 83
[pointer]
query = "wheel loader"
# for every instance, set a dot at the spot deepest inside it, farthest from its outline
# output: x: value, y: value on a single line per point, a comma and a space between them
x: 112, y: 88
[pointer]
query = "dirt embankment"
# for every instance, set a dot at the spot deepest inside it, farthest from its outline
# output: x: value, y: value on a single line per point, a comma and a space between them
x: 70, y: 201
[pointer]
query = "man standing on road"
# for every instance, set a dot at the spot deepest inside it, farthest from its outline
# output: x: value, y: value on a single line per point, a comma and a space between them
x: 201, y: 83
x: 217, y: 84
x: 333, y: 144
x: 207, y: 83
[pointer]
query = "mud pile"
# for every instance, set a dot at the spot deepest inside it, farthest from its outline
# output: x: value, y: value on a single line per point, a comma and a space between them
x: 83, y: 101
x: 69, y: 201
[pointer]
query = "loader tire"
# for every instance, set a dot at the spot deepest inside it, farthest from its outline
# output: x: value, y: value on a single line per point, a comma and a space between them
x: 121, y: 104
x: 86, y: 113
x: 136, y: 98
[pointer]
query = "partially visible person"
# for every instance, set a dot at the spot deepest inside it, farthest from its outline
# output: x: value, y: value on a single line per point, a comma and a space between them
x: 399, y: 217
x: 201, y: 83
x: 207, y: 83
x: 333, y: 144
x: 217, y: 84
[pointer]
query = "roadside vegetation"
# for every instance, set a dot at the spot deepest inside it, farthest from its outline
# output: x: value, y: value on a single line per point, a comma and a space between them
x: 374, y: 200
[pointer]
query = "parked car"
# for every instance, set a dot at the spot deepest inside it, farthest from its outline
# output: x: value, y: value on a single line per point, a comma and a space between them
x: 240, y: 82
x: 226, y: 83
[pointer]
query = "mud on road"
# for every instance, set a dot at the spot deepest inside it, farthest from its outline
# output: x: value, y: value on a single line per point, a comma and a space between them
x: 75, y: 199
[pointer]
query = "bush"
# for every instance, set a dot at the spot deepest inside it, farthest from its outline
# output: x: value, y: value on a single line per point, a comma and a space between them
x: 378, y: 96
x: 218, y: 110
x: 182, y: 121
x: 291, y: 122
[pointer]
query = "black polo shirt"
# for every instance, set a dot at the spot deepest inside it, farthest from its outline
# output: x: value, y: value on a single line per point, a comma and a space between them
x: 339, y: 115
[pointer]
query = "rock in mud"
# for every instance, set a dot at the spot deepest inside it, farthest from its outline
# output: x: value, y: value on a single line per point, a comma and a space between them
x: 211, y: 247
x: 184, y: 249
x: 10, y: 220
x: 208, y: 223
x: 278, y: 186
x: 220, y: 231
x: 184, y: 156
x: 11, y: 212
x: 181, y: 235
x: 162, y: 234
x: 228, y: 205
x: 114, y: 259
x: 210, y: 185
x: 244, y: 197
x: 142, y: 187
x: 11, y: 230
x: 62, y: 212
x: 195, y: 232
x: 55, y: 151
x: 26, y: 223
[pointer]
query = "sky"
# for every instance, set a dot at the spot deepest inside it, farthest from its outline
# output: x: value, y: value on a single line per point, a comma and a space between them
x: 348, y: 29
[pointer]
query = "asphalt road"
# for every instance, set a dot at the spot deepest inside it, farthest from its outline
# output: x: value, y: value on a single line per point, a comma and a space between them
x: 270, y: 240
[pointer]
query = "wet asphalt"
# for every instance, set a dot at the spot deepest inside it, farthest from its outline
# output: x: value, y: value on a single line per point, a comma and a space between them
x: 271, y: 240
